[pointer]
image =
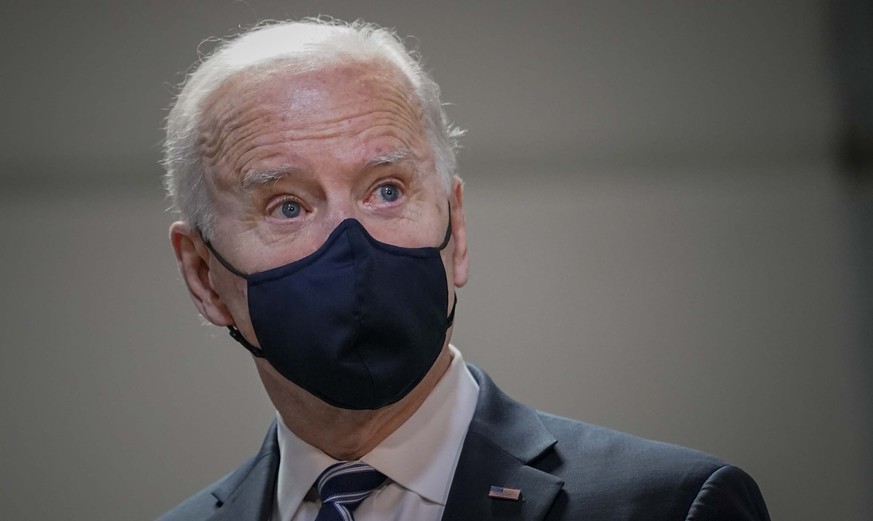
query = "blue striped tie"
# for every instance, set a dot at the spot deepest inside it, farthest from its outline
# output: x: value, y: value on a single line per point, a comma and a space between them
x: 343, y: 486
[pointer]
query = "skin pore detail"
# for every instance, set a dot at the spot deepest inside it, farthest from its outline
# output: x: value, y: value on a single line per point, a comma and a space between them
x: 275, y: 136
x: 243, y: 106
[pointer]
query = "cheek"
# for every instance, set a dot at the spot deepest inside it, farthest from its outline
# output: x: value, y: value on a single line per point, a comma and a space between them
x: 232, y: 291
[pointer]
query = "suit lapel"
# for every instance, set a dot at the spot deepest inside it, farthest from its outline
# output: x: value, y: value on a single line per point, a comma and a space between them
x: 247, y: 494
x: 503, y: 439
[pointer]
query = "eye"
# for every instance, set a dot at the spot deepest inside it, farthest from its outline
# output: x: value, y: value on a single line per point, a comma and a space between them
x: 288, y: 209
x: 389, y: 192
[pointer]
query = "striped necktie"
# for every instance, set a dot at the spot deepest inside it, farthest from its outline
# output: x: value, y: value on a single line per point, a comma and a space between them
x: 343, y: 486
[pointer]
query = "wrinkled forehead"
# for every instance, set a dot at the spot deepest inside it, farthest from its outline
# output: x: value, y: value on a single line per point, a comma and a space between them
x: 280, y: 119
x: 295, y: 89
x: 256, y: 109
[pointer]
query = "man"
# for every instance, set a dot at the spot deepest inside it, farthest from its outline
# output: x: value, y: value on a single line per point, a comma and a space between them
x: 323, y: 225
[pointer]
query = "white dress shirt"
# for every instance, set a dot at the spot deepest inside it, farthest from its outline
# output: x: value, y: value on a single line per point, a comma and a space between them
x: 419, y: 458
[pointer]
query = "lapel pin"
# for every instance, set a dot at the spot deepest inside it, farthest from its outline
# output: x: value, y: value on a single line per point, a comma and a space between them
x: 511, y: 494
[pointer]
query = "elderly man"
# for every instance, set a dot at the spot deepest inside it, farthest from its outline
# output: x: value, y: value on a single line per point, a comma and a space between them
x: 322, y: 223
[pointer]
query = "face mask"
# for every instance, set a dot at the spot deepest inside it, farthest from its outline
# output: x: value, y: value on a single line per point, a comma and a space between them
x: 358, y: 323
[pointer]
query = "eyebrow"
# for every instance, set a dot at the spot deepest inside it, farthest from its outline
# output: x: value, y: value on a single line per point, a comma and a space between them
x: 390, y: 158
x: 254, y: 178
x: 259, y: 177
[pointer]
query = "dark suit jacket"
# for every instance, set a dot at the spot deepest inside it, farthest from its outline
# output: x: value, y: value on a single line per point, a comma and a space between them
x: 566, y: 470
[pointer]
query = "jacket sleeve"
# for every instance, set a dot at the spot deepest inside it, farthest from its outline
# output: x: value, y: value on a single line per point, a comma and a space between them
x: 729, y: 494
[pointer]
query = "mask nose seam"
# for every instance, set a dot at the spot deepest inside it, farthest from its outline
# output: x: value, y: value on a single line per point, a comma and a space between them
x: 359, y: 301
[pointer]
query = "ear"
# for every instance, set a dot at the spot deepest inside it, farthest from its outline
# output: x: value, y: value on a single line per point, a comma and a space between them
x: 192, y: 255
x: 460, y: 260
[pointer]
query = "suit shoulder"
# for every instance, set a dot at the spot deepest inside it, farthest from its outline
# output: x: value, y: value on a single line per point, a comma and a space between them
x: 608, y: 471
x: 259, y: 471
x: 607, y: 446
x: 199, y: 506
x: 606, y: 474
x: 729, y: 494
x: 205, y: 503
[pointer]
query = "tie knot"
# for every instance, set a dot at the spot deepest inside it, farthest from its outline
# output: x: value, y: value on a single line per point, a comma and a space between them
x: 344, y: 485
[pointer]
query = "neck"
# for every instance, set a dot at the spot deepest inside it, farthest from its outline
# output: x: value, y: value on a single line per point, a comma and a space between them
x: 344, y: 434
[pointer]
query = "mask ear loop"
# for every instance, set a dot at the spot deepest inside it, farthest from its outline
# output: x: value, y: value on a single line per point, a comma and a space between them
x: 232, y: 330
x: 448, y: 236
x: 254, y: 350
x: 451, y: 318
x: 221, y: 259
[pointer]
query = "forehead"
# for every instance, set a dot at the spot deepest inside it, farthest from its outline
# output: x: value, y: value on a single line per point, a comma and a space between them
x: 272, y: 108
x: 298, y: 90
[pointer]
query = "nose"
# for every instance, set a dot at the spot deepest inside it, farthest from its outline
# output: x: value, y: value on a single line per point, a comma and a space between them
x: 338, y: 208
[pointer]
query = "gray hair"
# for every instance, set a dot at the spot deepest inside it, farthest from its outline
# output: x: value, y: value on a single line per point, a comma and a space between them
x: 305, y: 46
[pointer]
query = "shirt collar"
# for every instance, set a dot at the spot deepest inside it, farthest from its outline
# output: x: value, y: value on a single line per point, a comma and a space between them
x: 421, y: 455
x: 300, y: 464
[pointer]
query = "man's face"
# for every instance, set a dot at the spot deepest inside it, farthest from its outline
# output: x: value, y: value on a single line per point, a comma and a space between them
x: 287, y: 158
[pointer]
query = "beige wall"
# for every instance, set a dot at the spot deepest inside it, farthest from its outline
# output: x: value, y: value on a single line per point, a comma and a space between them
x: 659, y: 244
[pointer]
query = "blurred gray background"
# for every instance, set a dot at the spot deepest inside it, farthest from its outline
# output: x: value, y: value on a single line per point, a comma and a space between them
x: 669, y: 210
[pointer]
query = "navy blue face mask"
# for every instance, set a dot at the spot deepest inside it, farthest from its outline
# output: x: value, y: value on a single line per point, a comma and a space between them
x: 358, y: 323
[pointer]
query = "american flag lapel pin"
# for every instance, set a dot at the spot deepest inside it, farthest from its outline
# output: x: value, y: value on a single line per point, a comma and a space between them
x: 512, y: 494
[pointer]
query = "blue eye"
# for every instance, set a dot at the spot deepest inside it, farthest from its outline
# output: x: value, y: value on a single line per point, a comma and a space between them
x: 290, y: 209
x: 389, y: 193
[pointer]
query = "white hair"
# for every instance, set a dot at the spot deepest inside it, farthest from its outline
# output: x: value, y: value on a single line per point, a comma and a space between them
x: 304, y: 46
